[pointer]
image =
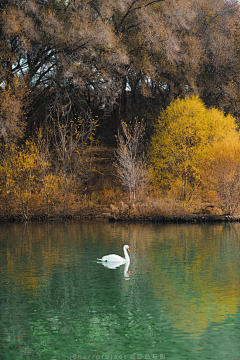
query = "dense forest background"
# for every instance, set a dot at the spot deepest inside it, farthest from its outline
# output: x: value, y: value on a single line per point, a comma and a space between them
x: 72, y: 71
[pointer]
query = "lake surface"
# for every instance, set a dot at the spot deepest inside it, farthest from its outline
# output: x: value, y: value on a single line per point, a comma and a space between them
x: 179, y: 298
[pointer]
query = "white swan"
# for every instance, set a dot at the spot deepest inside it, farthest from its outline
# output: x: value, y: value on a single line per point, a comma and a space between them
x: 112, y: 258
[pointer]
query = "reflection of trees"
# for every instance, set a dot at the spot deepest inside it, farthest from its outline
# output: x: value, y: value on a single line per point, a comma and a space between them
x: 72, y: 296
x: 194, y: 275
x: 79, y: 300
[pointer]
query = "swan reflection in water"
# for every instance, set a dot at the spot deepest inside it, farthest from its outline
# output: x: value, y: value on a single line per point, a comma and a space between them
x: 114, y: 265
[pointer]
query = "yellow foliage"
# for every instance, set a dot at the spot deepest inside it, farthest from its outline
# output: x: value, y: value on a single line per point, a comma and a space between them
x: 220, y: 171
x: 182, y: 132
x: 20, y: 174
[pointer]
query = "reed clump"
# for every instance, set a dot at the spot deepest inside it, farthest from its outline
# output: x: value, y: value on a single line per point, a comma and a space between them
x: 153, y: 208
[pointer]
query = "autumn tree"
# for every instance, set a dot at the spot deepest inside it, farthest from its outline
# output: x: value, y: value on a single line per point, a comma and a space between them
x: 148, y: 32
x: 130, y: 162
x: 49, y: 192
x: 213, y: 53
x: 58, y: 42
x: 20, y: 174
x: 182, y: 132
x: 73, y: 140
x: 12, y: 117
x: 220, y: 172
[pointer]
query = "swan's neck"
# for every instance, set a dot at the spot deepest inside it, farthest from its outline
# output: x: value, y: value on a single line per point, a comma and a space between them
x: 127, y: 258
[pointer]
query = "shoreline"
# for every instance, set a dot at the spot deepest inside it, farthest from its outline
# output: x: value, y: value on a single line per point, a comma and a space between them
x: 180, y: 219
x: 194, y: 218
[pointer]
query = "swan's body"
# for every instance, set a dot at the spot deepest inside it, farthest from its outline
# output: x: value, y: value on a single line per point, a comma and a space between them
x: 113, y: 258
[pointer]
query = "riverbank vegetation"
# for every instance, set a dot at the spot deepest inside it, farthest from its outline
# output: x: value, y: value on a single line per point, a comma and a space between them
x: 119, y: 108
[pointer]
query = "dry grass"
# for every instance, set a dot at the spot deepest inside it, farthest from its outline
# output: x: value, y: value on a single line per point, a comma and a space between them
x: 153, y: 208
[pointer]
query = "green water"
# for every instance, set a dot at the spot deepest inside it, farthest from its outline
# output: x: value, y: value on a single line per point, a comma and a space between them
x: 179, y: 299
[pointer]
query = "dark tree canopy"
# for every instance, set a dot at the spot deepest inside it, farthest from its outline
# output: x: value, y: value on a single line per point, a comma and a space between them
x: 117, y: 59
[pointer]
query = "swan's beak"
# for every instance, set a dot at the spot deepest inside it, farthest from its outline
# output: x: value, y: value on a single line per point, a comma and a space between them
x: 128, y: 249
